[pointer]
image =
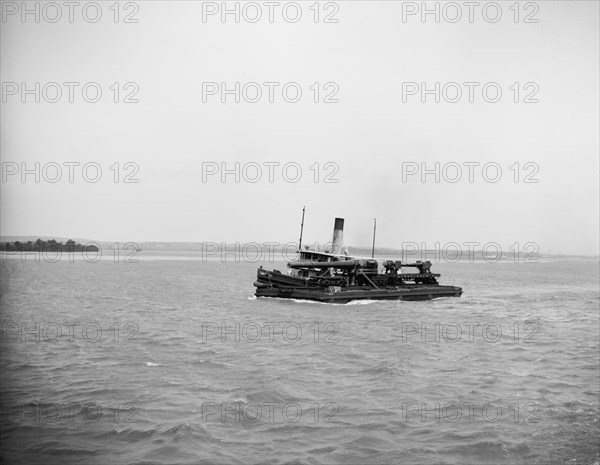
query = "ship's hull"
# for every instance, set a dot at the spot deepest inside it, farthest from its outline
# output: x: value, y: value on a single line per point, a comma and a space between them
x: 347, y: 294
x: 276, y: 284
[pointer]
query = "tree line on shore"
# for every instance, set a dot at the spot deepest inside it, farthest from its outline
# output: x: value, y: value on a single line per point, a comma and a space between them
x: 41, y: 245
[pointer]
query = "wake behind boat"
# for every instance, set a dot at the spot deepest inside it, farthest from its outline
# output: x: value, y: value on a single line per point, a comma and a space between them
x: 334, y: 277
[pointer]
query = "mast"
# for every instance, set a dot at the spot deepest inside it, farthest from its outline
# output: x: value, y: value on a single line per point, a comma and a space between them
x: 374, y: 231
x: 301, y: 230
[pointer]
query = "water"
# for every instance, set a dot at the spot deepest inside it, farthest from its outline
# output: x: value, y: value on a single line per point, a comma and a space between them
x: 509, y: 375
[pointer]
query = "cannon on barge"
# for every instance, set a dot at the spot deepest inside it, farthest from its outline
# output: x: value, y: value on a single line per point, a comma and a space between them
x: 334, y: 277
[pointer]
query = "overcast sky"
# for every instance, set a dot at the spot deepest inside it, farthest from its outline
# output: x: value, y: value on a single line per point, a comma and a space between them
x: 376, y: 132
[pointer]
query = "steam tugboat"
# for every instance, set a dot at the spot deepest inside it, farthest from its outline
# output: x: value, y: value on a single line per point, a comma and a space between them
x: 334, y: 277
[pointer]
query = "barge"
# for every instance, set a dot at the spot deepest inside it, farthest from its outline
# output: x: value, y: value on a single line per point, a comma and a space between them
x: 332, y: 276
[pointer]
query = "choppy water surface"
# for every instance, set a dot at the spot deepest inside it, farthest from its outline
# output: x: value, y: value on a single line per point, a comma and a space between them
x: 172, y: 361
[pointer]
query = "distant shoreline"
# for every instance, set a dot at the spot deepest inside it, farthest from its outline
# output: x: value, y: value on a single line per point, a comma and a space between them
x: 39, y: 245
x: 214, y: 249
